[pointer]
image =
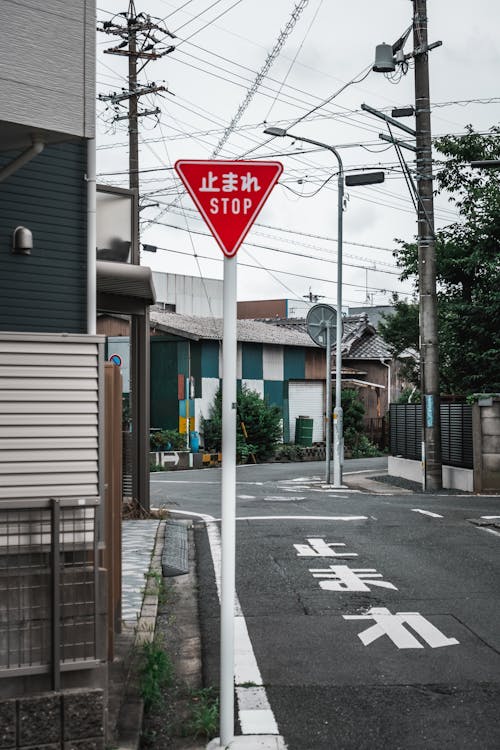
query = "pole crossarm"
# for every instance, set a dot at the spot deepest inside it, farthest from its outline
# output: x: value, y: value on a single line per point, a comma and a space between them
x: 391, y: 120
x: 397, y: 142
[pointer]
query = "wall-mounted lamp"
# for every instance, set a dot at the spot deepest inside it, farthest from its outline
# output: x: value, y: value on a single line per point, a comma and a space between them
x: 22, y: 241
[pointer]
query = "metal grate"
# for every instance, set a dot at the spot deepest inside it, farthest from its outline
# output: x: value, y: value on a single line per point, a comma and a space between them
x: 48, y: 585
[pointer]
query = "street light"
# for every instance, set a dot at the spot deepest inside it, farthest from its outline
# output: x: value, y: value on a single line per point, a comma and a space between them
x: 364, y: 179
x: 486, y: 164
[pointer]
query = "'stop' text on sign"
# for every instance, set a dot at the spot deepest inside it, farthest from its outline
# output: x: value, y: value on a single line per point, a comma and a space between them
x: 229, y: 195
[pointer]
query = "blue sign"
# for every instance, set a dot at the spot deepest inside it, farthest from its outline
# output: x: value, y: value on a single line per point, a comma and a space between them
x: 115, y: 359
x: 429, y: 411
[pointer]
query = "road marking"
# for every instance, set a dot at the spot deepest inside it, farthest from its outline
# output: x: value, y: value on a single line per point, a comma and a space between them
x: 491, y: 531
x: 426, y: 513
x: 392, y: 625
x: 302, y: 518
x: 317, y: 547
x: 254, y: 711
x: 344, y: 578
x: 282, y: 498
x: 245, y: 497
x: 490, y: 518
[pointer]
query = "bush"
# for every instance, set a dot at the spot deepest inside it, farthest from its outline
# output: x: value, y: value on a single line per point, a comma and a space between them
x: 355, y: 441
x: 262, y: 423
x: 167, y: 440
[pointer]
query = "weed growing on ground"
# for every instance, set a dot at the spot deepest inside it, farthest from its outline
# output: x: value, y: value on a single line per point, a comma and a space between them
x: 204, y: 721
x: 156, y: 673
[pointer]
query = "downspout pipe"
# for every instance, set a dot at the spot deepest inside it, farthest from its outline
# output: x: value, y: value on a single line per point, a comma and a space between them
x: 388, y: 380
x: 22, y: 159
x: 91, y: 238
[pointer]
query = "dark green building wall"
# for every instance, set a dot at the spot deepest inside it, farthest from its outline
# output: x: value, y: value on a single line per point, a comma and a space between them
x: 45, y: 291
x: 164, y: 392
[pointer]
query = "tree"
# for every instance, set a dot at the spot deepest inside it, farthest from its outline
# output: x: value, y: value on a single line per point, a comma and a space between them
x: 467, y: 269
x: 262, y: 423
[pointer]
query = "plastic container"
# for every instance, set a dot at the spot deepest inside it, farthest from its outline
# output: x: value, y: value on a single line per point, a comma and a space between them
x: 303, y: 430
x: 194, y: 441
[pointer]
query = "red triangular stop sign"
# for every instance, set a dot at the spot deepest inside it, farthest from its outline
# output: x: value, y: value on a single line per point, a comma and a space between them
x: 229, y: 194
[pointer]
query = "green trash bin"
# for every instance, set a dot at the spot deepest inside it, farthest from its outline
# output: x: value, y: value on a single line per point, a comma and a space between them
x: 303, y: 431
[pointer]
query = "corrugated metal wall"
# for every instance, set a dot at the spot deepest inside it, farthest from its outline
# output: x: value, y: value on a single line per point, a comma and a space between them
x: 307, y: 399
x: 47, y: 75
x: 49, y: 416
x: 45, y: 291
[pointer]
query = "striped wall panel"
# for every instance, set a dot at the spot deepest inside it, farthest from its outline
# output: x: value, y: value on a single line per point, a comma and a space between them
x: 49, y: 417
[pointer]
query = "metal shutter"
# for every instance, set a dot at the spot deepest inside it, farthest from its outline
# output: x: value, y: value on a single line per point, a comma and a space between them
x: 49, y: 416
x: 307, y: 399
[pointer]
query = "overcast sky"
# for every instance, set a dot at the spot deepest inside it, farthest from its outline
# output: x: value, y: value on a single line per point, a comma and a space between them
x: 215, y: 63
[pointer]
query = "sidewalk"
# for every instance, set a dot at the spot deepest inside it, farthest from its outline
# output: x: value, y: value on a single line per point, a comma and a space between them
x: 142, y: 614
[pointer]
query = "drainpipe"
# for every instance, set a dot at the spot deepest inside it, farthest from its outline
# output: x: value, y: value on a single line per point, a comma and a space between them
x: 91, y: 238
x: 22, y: 159
x: 388, y: 380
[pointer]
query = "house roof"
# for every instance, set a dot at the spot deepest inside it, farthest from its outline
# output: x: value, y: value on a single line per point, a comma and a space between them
x: 359, y: 341
x: 254, y: 331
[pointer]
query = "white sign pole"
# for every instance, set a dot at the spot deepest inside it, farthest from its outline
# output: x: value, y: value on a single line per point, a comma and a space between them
x: 228, y: 525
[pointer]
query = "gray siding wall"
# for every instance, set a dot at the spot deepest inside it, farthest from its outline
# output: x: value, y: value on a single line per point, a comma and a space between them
x: 47, y: 65
x: 45, y: 291
x: 49, y: 416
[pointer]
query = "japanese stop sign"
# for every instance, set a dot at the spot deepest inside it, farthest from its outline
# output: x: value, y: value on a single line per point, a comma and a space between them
x: 229, y: 195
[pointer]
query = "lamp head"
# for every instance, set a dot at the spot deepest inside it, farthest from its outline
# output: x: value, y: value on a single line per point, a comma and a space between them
x: 278, y: 132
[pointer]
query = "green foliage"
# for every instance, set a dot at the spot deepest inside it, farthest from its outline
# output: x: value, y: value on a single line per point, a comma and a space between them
x: 467, y: 267
x: 364, y: 448
x: 289, y: 452
x: 156, y: 673
x: 169, y: 440
x: 353, y: 417
x: 355, y: 441
x: 400, y: 331
x: 204, y: 721
x: 262, y: 422
x: 409, y: 396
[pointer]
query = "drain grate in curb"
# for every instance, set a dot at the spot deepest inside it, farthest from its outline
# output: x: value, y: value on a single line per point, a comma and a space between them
x: 174, y: 560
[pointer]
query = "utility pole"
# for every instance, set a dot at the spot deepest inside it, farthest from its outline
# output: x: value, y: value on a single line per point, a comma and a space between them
x: 138, y: 42
x: 429, y: 352
x: 387, y: 57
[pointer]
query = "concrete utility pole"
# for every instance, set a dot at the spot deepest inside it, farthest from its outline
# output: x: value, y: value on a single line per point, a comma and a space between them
x: 429, y: 352
x: 138, y: 41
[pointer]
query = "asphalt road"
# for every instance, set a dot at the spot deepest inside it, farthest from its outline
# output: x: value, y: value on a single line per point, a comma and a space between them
x: 391, y: 641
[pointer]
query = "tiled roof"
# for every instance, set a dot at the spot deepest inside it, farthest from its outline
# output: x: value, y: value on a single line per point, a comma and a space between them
x: 359, y: 340
x: 255, y: 331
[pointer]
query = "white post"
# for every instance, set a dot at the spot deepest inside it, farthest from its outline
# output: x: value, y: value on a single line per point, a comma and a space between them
x: 328, y: 405
x: 338, y: 427
x: 228, y: 525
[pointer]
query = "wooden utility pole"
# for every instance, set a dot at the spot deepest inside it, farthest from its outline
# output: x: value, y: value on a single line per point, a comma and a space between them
x: 429, y: 352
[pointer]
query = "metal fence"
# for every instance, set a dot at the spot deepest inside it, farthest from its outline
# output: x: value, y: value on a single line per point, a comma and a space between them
x: 48, y: 586
x: 456, y: 433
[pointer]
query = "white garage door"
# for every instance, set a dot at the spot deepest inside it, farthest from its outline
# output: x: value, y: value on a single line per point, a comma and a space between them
x: 306, y: 399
